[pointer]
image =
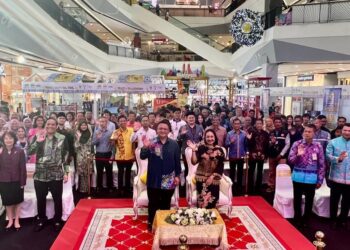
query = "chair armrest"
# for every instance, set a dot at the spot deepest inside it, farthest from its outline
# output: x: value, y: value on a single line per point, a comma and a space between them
x: 226, y: 186
x: 138, y: 187
x: 190, y: 187
x: 176, y: 196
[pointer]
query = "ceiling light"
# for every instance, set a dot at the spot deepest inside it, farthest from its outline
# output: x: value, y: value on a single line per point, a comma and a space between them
x: 40, y: 66
x: 220, y: 36
x: 20, y: 59
x: 91, y: 24
x: 235, y: 80
x: 59, y: 68
x: 246, y: 77
x: 98, y: 30
x: 104, y: 34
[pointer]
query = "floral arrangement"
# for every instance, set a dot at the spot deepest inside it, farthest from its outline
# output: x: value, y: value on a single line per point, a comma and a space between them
x: 192, y: 216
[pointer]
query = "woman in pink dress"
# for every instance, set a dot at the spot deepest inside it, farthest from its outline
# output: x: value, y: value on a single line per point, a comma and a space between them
x: 38, y: 128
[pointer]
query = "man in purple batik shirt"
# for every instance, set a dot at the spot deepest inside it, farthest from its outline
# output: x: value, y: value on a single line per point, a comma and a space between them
x: 309, y: 164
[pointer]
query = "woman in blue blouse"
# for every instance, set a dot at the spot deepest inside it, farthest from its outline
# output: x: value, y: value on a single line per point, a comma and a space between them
x: 164, y: 169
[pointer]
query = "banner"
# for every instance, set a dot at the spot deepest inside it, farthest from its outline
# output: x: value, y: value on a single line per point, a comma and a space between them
x: 183, y: 88
x: 62, y: 108
x: 331, y: 101
x: 147, y: 79
x: 76, y: 87
x: 265, y: 98
x: 163, y: 102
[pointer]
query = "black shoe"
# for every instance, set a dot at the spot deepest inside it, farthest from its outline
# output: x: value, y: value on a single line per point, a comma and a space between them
x: 39, y: 226
x: 18, y: 228
x: 57, y: 226
x: 149, y: 227
x: 8, y: 229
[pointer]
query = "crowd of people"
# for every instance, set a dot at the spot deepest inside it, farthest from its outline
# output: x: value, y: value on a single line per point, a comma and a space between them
x: 61, y: 140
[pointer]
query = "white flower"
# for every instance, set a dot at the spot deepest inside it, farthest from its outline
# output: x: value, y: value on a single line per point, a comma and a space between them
x: 177, y: 222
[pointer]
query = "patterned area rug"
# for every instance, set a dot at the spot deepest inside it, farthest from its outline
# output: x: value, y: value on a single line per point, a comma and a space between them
x: 115, y: 228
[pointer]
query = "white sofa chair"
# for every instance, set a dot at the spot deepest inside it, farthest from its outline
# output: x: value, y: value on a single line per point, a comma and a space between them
x: 225, y: 196
x: 29, y: 205
x: 283, y: 200
x: 321, y: 200
x: 140, y: 198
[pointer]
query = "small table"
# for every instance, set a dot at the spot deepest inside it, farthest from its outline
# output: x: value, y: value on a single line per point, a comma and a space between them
x: 168, y: 234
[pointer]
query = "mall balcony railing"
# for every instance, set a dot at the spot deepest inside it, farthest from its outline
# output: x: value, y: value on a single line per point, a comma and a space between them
x: 203, y: 8
x: 76, y: 25
x: 337, y: 11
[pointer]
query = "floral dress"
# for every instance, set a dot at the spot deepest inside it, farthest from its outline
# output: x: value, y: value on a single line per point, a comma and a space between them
x: 210, y: 163
x: 82, y: 150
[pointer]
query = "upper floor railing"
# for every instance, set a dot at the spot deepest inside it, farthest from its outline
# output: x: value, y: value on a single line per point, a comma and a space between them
x: 336, y: 11
x: 204, y: 8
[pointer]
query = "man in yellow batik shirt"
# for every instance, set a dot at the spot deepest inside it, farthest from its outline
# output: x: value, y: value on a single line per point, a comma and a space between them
x: 124, y: 155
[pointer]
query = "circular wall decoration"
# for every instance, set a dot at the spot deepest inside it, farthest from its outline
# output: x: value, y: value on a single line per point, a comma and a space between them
x: 247, y: 27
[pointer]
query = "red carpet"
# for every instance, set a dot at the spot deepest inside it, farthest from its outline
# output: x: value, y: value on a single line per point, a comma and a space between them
x: 125, y: 233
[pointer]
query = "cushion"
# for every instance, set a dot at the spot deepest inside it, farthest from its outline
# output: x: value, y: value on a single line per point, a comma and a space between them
x: 143, y: 178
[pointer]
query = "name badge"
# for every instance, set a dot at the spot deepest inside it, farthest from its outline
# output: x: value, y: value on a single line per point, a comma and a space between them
x: 314, y: 157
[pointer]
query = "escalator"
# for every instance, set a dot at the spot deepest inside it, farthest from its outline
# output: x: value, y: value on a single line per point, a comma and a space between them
x: 176, y: 30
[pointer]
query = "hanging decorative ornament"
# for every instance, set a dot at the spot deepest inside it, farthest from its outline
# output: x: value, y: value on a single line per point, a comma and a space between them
x: 247, y: 27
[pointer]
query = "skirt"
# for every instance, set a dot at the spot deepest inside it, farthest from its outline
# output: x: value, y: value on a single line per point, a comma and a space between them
x: 11, y: 193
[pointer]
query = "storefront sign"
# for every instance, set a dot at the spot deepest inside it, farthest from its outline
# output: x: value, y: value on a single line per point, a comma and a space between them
x: 163, y: 102
x: 187, y: 76
x: 305, y: 78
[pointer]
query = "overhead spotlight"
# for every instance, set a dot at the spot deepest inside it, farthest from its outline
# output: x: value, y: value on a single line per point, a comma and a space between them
x: 235, y: 80
x: 246, y: 77
x: 59, y: 68
x: 21, y: 59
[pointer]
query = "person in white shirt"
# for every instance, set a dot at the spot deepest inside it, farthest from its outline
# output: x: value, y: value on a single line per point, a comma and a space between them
x: 176, y: 123
x: 144, y: 132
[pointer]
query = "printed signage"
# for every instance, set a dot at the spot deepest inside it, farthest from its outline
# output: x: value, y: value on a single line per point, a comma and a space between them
x: 305, y: 78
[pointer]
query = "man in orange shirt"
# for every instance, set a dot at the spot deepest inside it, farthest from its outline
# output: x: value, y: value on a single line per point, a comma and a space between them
x: 124, y: 154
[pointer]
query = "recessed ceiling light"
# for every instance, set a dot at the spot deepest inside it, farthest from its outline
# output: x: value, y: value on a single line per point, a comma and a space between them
x: 220, y: 36
x: 98, y: 30
x: 91, y: 24
x: 20, y: 59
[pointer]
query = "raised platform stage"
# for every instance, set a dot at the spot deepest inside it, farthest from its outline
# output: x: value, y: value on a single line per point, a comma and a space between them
x: 109, y: 224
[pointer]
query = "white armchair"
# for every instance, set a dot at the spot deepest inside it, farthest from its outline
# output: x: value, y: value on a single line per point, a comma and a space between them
x: 322, y: 200
x: 225, y: 196
x: 283, y: 200
x: 140, y: 198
